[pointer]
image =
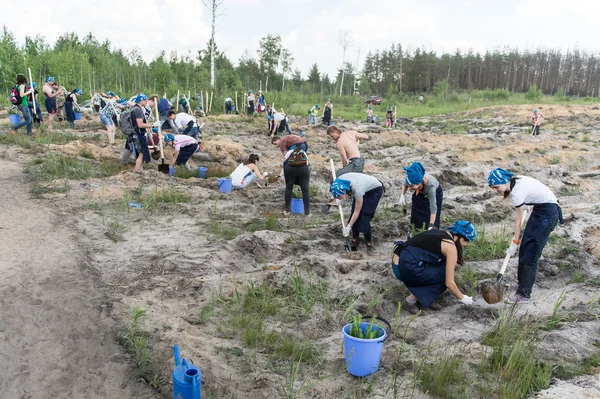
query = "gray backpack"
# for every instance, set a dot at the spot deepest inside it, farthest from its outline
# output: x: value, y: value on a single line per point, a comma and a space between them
x: 127, y: 124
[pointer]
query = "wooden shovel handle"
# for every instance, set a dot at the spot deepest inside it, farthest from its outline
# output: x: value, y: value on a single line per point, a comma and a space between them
x: 340, y: 205
x: 507, y: 257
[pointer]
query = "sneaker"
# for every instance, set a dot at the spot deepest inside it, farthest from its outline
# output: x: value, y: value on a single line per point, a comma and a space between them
x: 370, y: 247
x: 411, y: 308
x: 434, y: 306
x: 286, y: 213
x: 517, y: 300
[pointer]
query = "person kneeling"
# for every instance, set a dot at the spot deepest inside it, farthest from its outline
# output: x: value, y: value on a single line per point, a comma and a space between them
x: 246, y: 173
x: 185, y: 147
x: 425, y: 264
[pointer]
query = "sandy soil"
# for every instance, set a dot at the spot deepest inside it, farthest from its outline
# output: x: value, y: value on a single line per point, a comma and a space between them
x: 57, y: 335
x: 172, y: 263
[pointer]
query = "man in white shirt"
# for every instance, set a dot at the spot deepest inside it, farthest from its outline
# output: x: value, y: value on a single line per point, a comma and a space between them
x: 183, y: 123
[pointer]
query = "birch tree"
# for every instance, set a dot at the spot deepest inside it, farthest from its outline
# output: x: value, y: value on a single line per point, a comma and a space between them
x: 212, y: 6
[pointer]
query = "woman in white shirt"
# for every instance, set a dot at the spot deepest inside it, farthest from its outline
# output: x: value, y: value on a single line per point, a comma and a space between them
x: 546, y: 213
x: 246, y: 172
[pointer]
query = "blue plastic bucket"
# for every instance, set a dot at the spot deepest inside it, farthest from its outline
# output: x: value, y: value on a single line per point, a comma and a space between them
x: 202, y: 172
x: 233, y: 108
x: 362, y: 356
x: 297, y: 205
x: 224, y: 184
x: 14, y: 118
x: 77, y: 116
x: 172, y: 170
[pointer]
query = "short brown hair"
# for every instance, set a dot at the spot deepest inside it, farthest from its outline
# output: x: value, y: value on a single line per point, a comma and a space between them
x: 154, y: 97
x: 333, y: 129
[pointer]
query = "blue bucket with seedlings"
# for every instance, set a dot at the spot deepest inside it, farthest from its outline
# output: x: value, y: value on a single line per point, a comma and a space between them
x: 224, y: 184
x: 362, y: 356
x: 202, y: 172
x: 297, y: 205
x: 186, y: 378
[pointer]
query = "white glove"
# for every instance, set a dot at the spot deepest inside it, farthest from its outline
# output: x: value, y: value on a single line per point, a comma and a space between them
x: 431, y: 227
x: 348, y: 229
x: 402, y: 200
x: 467, y: 300
x: 512, y: 250
x: 265, y: 174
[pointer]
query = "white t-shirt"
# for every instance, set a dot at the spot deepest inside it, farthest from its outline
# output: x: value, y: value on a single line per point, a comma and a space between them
x: 238, y: 175
x: 529, y: 191
x: 182, y: 140
x: 182, y: 119
x: 251, y: 97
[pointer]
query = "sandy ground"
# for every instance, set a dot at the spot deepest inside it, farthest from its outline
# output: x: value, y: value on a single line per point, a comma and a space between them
x: 171, y: 264
x: 57, y: 336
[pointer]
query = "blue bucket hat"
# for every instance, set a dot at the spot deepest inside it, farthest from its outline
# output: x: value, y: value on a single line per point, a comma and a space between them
x: 140, y: 97
x: 49, y: 79
x: 249, y: 91
x: 122, y: 101
x: 34, y: 85
x: 415, y: 173
x: 535, y: 111
x: 168, y: 138
x: 78, y: 91
x: 499, y: 176
x: 463, y: 228
x: 339, y: 187
x: 110, y: 93
x: 317, y: 106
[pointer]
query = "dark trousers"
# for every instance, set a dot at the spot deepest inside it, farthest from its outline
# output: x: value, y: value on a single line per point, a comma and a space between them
x: 542, y: 221
x: 536, y: 130
x: 297, y: 175
x: 69, y: 111
x: 185, y: 153
x: 250, y: 108
x: 420, y: 214
x: 367, y: 212
x: 38, y: 111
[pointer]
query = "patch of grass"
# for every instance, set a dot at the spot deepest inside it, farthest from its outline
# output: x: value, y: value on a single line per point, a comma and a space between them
x: 220, y: 229
x: 207, y: 311
x: 58, y: 166
x: 577, y: 277
x: 570, y: 191
x: 585, y: 138
x: 19, y: 139
x: 467, y: 278
x: 540, y: 150
x: 85, y: 153
x: 557, y: 317
x: 555, y: 160
x: 445, y: 378
x: 135, y: 341
x: 488, y: 246
x: 218, y: 171
x: 115, y: 231
x: 183, y: 173
x: 55, y: 138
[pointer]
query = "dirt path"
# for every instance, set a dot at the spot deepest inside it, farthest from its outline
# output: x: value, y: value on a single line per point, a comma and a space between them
x: 56, y: 338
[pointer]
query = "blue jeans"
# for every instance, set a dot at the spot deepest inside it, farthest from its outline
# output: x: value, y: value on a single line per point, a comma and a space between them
x: 194, y: 132
x: 26, y: 119
x: 38, y: 111
x: 312, y: 120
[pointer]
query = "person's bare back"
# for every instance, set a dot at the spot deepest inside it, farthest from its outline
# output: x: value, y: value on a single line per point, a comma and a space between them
x: 347, y: 144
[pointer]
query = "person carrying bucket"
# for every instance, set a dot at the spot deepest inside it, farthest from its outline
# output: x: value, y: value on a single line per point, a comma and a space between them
x: 313, y: 112
x: 261, y: 102
x: 185, y: 147
x: 246, y: 173
x: 525, y: 190
x: 427, y: 198
x: 71, y: 104
x: 366, y: 191
x: 21, y: 88
x: 425, y: 264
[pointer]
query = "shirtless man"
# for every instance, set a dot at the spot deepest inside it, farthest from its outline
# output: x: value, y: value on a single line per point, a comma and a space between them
x: 347, y: 144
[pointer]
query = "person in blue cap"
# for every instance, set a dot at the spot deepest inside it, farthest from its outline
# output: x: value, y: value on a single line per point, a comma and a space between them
x: 71, y: 104
x: 185, y: 146
x: 313, y: 112
x: 326, y: 119
x: 366, y: 191
x: 536, y: 120
x: 546, y: 213
x: 427, y: 198
x: 139, y: 139
x: 370, y: 115
x: 425, y: 264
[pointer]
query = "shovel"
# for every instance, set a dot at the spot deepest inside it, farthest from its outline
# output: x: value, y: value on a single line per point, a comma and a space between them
x: 162, y: 167
x: 492, y: 292
x: 347, y: 244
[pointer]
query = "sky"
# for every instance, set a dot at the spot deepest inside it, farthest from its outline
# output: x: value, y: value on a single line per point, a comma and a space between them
x: 310, y: 29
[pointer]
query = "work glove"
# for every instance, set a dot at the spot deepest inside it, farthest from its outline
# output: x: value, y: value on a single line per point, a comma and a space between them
x: 431, y: 227
x: 512, y: 250
x: 467, y: 300
x: 265, y: 174
x: 402, y: 200
x: 348, y: 229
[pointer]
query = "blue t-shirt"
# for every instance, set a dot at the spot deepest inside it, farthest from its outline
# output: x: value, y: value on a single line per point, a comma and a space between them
x: 163, y: 107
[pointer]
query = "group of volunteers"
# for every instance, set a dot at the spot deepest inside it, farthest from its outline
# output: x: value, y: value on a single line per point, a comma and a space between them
x: 58, y: 101
x: 313, y: 114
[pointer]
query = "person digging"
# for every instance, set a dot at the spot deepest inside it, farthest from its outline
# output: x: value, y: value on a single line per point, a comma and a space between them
x: 427, y: 197
x: 426, y: 262
x: 366, y: 191
x: 546, y: 213
x: 536, y: 120
x: 185, y: 146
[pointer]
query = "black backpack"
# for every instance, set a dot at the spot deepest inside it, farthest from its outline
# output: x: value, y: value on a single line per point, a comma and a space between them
x: 15, y: 96
x: 127, y: 124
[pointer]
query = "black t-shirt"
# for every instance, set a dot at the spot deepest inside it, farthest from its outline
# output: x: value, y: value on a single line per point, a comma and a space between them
x: 138, y: 113
x: 430, y: 241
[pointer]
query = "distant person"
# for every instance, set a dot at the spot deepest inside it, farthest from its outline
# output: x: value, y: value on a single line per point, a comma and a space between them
x: 282, y: 125
x: 185, y: 147
x: 164, y: 105
x: 37, y: 115
x: 389, y: 117
x: 107, y: 113
x: 60, y: 101
x: 228, y: 106
x: 370, y: 115
x: 536, y: 120
x: 421, y: 100
x: 184, y: 105
x: 246, y: 173
x: 23, y: 106
x: 427, y: 198
x: 326, y: 120
x: 183, y: 123
x: 313, y: 112
x: 426, y: 263
x: 139, y: 141
x: 270, y: 119
x: 97, y: 102
x: 366, y: 192
x: 261, y: 102
x: 71, y: 104
x: 250, y: 103
x: 50, y: 102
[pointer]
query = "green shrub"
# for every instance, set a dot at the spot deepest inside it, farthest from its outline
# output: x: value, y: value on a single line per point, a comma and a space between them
x: 533, y: 94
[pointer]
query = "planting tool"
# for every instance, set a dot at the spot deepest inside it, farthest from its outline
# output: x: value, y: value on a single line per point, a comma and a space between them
x: 162, y: 167
x: 347, y: 244
x: 32, y: 94
x: 500, y: 275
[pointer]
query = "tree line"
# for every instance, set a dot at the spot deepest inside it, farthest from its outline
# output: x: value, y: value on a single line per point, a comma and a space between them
x: 99, y: 66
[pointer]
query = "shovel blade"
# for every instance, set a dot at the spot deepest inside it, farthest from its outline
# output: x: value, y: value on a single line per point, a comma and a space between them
x: 164, y: 168
x: 499, y: 277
